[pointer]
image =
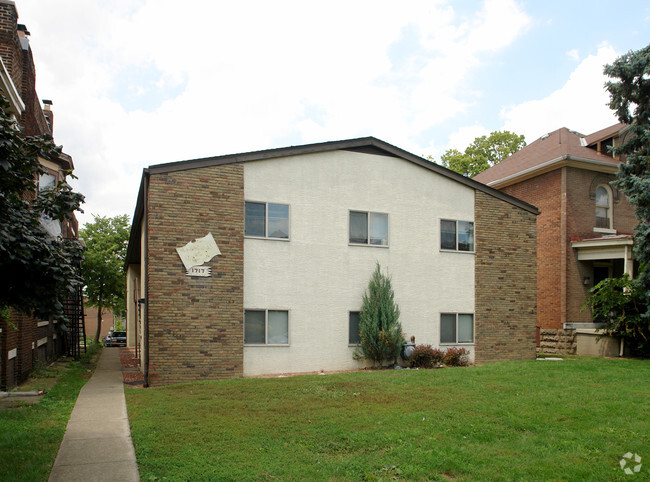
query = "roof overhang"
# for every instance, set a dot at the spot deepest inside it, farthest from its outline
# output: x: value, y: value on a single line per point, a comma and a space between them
x: 562, y: 161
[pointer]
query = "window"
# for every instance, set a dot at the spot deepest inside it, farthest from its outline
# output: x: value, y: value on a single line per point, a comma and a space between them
x: 603, y: 204
x: 266, y: 327
x: 368, y: 228
x: 354, y: 337
x: 267, y: 220
x: 46, y: 181
x: 456, y: 328
x: 457, y: 235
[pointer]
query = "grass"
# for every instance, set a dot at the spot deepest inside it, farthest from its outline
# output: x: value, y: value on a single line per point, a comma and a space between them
x: 531, y: 420
x: 30, y: 434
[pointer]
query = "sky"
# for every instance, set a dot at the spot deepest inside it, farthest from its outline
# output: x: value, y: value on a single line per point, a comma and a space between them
x: 142, y: 82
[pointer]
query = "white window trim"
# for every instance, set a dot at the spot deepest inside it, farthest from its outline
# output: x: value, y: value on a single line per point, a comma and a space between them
x: 457, y: 343
x: 266, y: 326
x: 610, y: 211
x: 266, y: 221
x: 42, y: 323
x: 368, y: 213
x: 12, y: 353
x: 42, y: 341
x: 446, y: 250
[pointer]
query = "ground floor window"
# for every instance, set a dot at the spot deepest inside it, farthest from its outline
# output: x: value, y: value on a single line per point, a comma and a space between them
x: 456, y: 328
x: 266, y: 327
x: 354, y: 337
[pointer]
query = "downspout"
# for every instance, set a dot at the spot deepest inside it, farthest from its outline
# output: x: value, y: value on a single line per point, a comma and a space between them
x: 145, y: 305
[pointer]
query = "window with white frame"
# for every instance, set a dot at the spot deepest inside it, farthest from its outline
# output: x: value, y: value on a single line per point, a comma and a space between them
x: 368, y: 228
x: 456, y: 328
x: 266, y: 220
x: 603, y: 207
x: 456, y: 235
x: 266, y: 327
x: 354, y: 336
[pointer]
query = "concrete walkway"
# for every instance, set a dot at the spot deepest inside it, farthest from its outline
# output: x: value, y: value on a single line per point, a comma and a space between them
x: 97, y: 444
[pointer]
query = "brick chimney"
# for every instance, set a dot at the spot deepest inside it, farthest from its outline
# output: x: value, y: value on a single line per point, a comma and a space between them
x: 49, y: 114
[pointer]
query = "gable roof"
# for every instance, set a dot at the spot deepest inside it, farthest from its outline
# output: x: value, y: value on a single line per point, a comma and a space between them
x: 550, y: 152
x: 604, y: 133
x: 368, y: 145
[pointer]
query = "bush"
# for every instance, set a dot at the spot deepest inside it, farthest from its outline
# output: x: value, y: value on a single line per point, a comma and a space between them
x: 456, y: 357
x: 619, y: 304
x: 425, y: 356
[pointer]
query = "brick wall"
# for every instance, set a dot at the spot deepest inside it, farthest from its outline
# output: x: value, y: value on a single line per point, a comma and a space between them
x: 10, y: 50
x: 506, y: 282
x: 20, y: 65
x: 581, y: 219
x: 545, y: 192
x: 196, y: 324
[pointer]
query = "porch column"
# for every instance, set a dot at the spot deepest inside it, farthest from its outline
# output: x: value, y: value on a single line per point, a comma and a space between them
x: 628, y: 262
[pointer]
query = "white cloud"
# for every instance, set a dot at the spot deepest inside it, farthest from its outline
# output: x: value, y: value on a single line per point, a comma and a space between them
x: 580, y: 105
x: 237, y: 76
x: 464, y: 136
x: 573, y: 54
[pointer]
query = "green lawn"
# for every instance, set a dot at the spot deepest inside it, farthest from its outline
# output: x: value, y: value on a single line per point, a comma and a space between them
x: 30, y: 435
x: 531, y: 420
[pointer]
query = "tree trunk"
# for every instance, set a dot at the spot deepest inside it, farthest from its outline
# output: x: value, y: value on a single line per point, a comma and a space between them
x: 99, y: 323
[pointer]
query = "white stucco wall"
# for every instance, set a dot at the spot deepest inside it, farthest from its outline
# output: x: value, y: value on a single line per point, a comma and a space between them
x: 318, y: 277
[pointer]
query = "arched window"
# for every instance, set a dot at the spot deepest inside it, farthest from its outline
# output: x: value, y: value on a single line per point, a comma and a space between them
x: 603, y: 207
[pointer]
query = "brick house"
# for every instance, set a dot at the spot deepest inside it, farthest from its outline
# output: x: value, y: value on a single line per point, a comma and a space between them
x: 584, y: 232
x: 292, y: 236
x: 25, y: 340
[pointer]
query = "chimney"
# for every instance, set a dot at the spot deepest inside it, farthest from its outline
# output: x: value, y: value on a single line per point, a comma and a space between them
x: 49, y: 114
x: 22, y: 31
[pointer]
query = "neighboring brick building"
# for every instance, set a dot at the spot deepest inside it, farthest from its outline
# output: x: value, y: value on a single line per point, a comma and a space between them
x: 584, y: 231
x: 107, y: 323
x: 297, y: 232
x: 25, y: 340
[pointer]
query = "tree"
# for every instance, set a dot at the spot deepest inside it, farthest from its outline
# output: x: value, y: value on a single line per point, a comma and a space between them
x: 630, y: 98
x: 618, y: 303
x: 379, y: 326
x: 103, y: 269
x: 38, y: 270
x: 483, y: 153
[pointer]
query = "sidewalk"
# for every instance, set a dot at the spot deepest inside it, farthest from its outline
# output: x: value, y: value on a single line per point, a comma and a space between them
x: 97, y: 444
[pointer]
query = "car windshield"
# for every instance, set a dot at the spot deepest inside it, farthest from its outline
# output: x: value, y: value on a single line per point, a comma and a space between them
x: 119, y: 333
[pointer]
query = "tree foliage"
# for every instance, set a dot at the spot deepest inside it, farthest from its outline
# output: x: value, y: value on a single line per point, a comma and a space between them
x: 103, y: 269
x: 618, y: 303
x: 379, y: 326
x: 630, y: 99
x: 483, y: 153
x: 38, y: 271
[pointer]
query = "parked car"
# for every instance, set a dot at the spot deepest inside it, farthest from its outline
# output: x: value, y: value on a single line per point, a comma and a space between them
x: 117, y: 338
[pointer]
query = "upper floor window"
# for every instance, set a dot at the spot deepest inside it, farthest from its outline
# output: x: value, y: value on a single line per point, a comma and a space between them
x: 457, y: 235
x: 46, y: 181
x: 603, y: 207
x: 368, y: 228
x: 267, y: 220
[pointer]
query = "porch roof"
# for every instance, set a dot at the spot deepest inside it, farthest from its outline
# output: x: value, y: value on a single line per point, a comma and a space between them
x: 615, y: 246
